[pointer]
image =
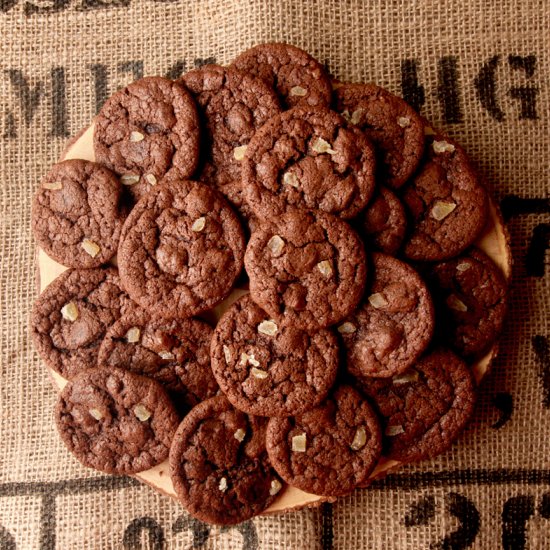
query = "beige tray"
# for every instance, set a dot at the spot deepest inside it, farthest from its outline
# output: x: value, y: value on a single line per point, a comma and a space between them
x: 494, y: 241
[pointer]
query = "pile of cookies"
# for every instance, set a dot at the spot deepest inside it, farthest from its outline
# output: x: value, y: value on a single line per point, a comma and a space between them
x: 367, y: 304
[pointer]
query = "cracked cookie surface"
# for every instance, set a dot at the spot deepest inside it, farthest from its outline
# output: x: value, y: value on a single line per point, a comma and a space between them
x: 116, y: 421
x: 394, y: 127
x: 148, y: 130
x: 383, y: 223
x: 219, y: 464
x: 308, y: 158
x: 306, y: 269
x: 329, y: 450
x: 296, y: 76
x: 271, y: 370
x: 446, y: 202
x: 233, y: 105
x: 182, y: 249
x: 76, y: 214
x: 393, y: 325
x: 72, y: 315
x: 174, y: 352
x: 424, y: 409
x: 470, y: 295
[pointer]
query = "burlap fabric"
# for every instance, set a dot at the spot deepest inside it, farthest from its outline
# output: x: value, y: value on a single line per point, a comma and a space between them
x: 479, y: 69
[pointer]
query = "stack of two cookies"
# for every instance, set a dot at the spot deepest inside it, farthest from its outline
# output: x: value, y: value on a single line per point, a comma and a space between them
x: 327, y: 362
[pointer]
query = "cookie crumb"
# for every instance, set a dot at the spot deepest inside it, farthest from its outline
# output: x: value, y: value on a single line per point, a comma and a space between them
x: 96, y: 413
x: 276, y: 245
x: 259, y: 373
x: 91, y: 248
x: 198, y: 224
x: 298, y: 91
x: 227, y: 354
x: 392, y: 431
x: 443, y: 147
x: 151, y: 179
x: 454, y: 302
x: 356, y: 116
x: 463, y: 266
x: 442, y: 209
x: 223, y: 485
x: 346, y: 328
x: 404, y: 121
x: 239, y: 152
x: 325, y: 268
x: 239, y: 434
x: 142, y: 412
x: 299, y: 443
x: 405, y: 378
x: 129, y: 179
x: 377, y: 300
x: 136, y: 136
x: 289, y: 178
x: 69, y: 312
x: 360, y: 439
x: 322, y: 146
x: 133, y: 334
x: 276, y: 486
x: 268, y: 327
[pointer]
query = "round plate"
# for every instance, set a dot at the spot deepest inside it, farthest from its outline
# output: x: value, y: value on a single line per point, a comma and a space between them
x: 494, y: 242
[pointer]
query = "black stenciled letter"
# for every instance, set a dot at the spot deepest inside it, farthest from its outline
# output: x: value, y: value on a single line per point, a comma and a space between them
x: 29, y: 99
x: 135, y: 68
x: 99, y: 4
x: 54, y: 6
x: 504, y: 403
x: 132, y: 535
x: 515, y: 514
x: 100, y: 75
x: 412, y: 91
x: 421, y: 512
x: 176, y: 69
x: 199, y: 530
x: 448, y: 90
x: 59, y: 104
x: 464, y: 509
x: 542, y: 352
x: 248, y: 532
x: 485, y: 84
x: 527, y: 95
x: 7, y: 542
x: 5, y: 6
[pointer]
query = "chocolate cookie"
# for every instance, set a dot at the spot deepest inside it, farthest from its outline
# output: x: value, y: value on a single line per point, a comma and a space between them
x: 175, y: 352
x: 116, y: 421
x: 219, y: 464
x: 72, y: 315
x: 308, y: 158
x: 306, y: 269
x: 233, y: 105
x: 394, y: 127
x: 393, y: 325
x: 424, y: 409
x: 329, y: 450
x: 470, y: 301
x: 182, y: 249
x: 76, y: 215
x: 271, y: 370
x: 383, y: 224
x: 446, y: 202
x: 147, y: 130
x: 298, y: 78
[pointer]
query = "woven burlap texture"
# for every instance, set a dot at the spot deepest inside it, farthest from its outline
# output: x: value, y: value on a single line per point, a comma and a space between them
x: 478, y: 69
